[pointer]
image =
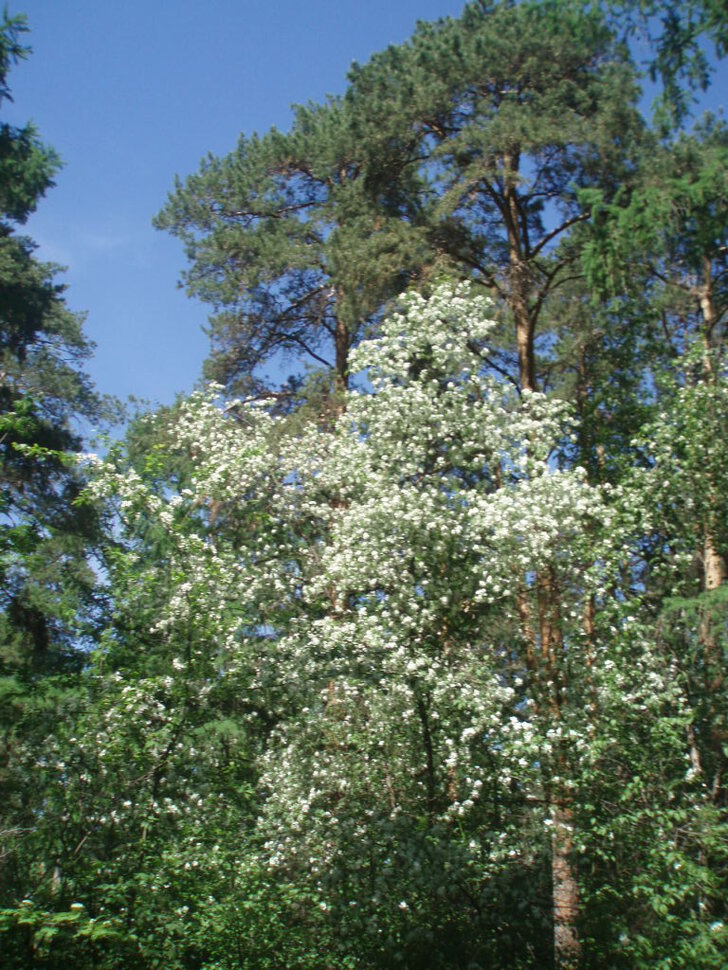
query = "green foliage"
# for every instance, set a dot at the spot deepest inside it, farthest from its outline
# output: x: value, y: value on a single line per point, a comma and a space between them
x: 671, y: 219
x: 50, y: 599
x: 427, y: 164
x: 428, y: 673
x: 285, y: 242
x: 681, y: 37
x: 44, y: 539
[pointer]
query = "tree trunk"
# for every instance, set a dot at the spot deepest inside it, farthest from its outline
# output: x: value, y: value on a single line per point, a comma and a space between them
x: 518, y: 276
x: 709, y: 315
x: 546, y: 667
x: 564, y: 886
x: 714, y: 576
x: 714, y: 567
x: 341, y: 340
x: 565, y: 891
x: 524, y: 326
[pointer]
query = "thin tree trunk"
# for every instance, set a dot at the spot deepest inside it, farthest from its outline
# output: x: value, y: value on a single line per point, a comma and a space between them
x: 429, y: 756
x: 518, y: 282
x: 565, y: 893
x: 524, y: 327
x: 567, y: 948
x: 714, y: 568
x: 714, y: 576
x: 564, y: 885
x: 714, y: 565
x: 341, y: 341
x: 709, y: 315
x: 546, y: 664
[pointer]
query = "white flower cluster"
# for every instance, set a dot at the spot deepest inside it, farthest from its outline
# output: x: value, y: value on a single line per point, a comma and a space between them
x: 391, y: 586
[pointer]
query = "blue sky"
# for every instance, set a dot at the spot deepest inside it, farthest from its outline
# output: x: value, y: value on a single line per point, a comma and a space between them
x: 131, y: 93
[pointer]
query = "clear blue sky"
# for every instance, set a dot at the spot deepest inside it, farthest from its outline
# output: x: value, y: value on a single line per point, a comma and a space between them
x: 131, y: 93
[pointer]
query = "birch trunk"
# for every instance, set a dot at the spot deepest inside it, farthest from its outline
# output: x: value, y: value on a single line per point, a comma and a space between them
x: 714, y: 565
x: 714, y: 568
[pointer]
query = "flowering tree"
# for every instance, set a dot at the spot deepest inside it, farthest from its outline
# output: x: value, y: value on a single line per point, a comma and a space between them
x: 415, y: 594
x: 385, y: 694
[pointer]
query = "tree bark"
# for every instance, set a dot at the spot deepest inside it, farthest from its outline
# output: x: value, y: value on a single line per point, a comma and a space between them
x: 547, y: 665
x: 709, y: 315
x: 564, y: 885
x: 518, y: 277
x: 524, y: 326
x: 714, y: 567
x: 341, y: 341
x: 567, y: 948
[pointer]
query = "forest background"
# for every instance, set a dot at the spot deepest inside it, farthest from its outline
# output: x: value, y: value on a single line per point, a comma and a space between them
x: 416, y: 656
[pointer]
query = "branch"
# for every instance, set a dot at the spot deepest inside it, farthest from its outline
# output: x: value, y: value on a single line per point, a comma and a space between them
x: 301, y: 343
x: 555, y: 232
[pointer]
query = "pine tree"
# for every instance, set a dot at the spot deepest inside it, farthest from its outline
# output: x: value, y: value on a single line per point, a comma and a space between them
x: 49, y: 590
x: 43, y: 396
x: 285, y: 242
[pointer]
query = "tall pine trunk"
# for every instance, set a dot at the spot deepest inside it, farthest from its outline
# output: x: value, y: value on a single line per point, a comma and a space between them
x: 564, y: 885
x: 518, y: 274
x: 565, y: 890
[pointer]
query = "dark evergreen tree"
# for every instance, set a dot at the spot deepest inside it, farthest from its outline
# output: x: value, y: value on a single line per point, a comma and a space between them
x: 286, y: 243
x: 44, y: 396
x: 49, y: 599
x: 514, y: 108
